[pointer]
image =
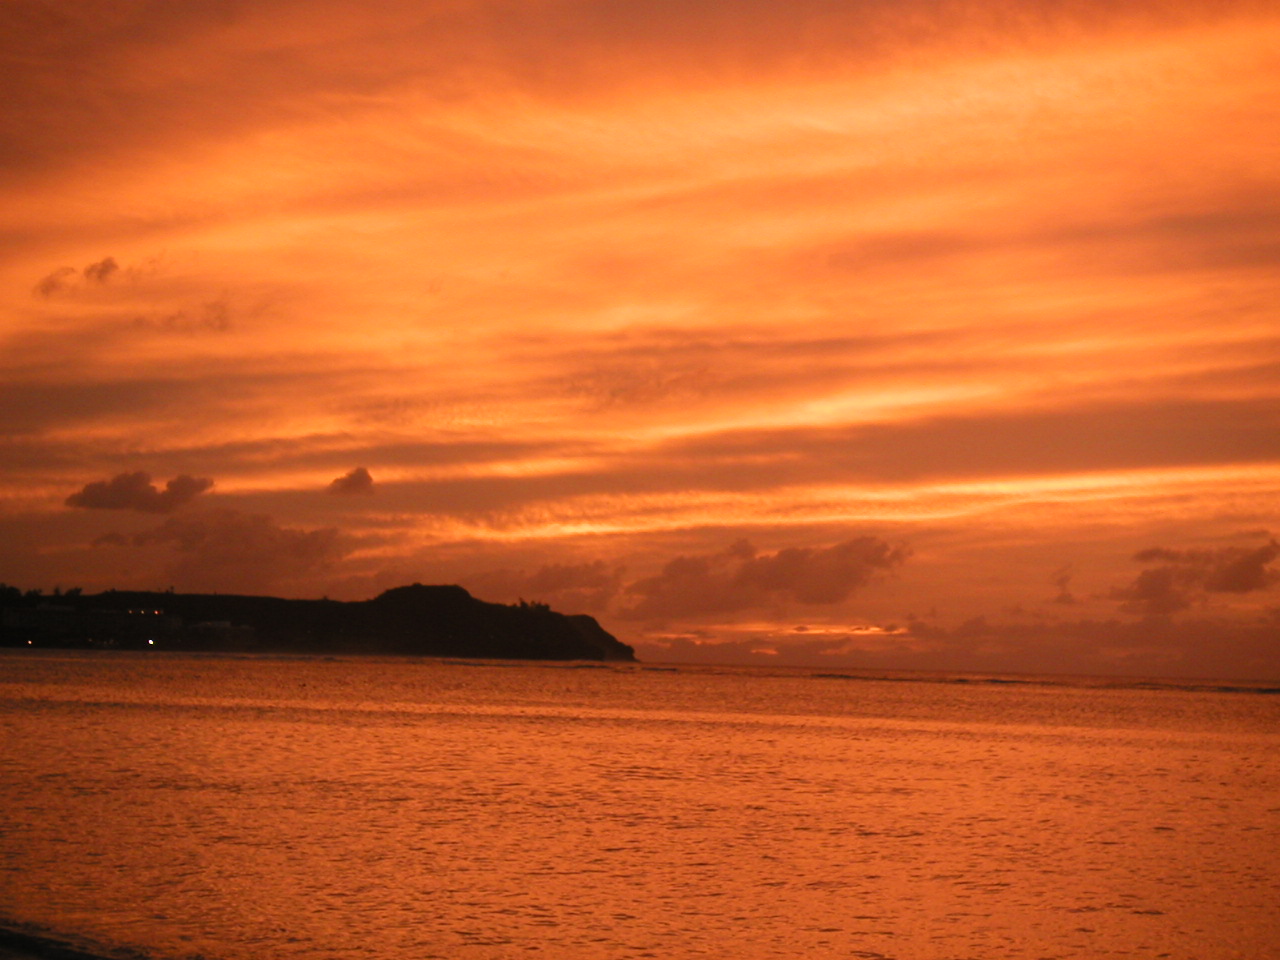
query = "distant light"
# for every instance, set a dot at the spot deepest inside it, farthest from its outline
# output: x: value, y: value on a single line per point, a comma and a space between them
x: 151, y: 643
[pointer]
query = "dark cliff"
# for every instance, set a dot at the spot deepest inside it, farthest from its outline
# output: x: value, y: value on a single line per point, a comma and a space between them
x: 417, y: 619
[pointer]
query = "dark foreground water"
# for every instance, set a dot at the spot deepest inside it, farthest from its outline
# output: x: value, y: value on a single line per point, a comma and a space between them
x: 337, y: 809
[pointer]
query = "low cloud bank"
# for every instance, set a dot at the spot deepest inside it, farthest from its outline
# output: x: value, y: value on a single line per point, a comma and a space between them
x: 740, y: 577
x: 1186, y: 576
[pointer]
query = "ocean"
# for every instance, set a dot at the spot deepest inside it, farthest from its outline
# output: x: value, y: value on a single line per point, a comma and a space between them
x: 233, y: 807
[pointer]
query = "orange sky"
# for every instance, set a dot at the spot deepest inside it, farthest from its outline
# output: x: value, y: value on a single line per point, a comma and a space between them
x: 888, y: 334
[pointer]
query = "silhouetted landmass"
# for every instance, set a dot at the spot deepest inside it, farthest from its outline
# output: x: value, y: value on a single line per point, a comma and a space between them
x: 417, y: 619
x: 19, y: 945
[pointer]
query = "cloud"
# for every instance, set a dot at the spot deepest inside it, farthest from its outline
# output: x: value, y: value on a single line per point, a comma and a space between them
x: 1193, y: 648
x: 820, y: 576
x: 739, y: 578
x: 1186, y: 575
x: 231, y: 550
x: 1147, y: 433
x: 1243, y: 571
x: 135, y: 491
x: 571, y: 587
x: 1159, y: 592
x: 1062, y: 580
x: 213, y: 316
x: 64, y: 278
x: 1229, y: 570
x: 357, y: 482
x: 558, y: 577
x: 55, y: 282
x: 101, y: 271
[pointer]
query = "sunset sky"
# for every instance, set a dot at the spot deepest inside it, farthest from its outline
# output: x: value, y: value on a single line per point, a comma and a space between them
x: 910, y: 334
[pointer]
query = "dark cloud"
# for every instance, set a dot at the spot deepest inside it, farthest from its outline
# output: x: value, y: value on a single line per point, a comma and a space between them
x: 1243, y: 571
x: 101, y: 271
x: 571, y: 576
x: 819, y: 576
x: 231, y: 550
x: 576, y: 586
x: 214, y: 316
x: 135, y: 491
x: 1154, y: 554
x: 64, y: 278
x: 1062, y: 580
x: 55, y: 282
x: 588, y: 586
x: 1186, y: 575
x: 354, y: 483
x: 739, y: 578
x: 1158, y: 592
x: 1226, y: 570
x: 689, y: 586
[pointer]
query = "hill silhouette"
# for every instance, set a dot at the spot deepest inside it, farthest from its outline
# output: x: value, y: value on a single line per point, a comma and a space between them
x: 414, y: 619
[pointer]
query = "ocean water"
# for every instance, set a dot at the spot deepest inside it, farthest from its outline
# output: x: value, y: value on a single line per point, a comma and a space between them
x: 265, y: 807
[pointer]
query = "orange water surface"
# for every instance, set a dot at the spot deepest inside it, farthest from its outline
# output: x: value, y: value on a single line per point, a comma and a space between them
x: 334, y: 809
